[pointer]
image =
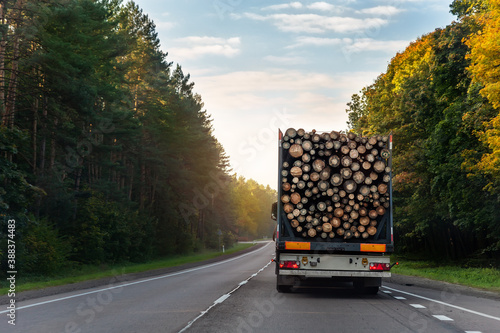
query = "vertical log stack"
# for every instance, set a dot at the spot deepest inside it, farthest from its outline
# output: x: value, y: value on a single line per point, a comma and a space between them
x: 334, y: 184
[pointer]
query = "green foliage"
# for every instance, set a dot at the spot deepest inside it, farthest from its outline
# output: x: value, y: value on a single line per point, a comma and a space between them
x: 107, y: 146
x: 427, y: 99
x: 44, y: 250
x: 252, y: 203
x: 115, y: 232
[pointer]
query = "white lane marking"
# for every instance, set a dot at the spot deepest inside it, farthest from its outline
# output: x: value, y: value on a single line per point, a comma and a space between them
x: 223, y: 298
x: 473, y: 332
x: 441, y: 317
x: 140, y: 281
x: 399, y: 297
x: 444, y: 303
x: 418, y: 306
x: 387, y: 291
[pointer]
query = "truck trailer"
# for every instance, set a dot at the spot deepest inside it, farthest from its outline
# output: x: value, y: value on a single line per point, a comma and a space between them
x: 334, y: 209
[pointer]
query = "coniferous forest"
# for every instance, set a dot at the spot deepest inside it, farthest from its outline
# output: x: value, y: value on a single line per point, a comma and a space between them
x: 440, y: 98
x: 106, y: 153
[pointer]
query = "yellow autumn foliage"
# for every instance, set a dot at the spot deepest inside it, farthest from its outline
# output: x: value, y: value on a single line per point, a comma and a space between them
x: 485, y: 69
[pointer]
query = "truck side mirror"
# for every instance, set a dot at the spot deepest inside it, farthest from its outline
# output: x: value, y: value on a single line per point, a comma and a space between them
x: 274, y: 211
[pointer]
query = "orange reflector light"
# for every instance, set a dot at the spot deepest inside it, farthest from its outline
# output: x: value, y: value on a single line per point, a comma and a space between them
x: 297, y: 246
x: 378, y: 266
x: 289, y: 264
x: 372, y: 247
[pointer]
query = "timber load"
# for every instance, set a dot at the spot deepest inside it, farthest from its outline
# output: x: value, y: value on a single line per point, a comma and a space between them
x: 334, y: 185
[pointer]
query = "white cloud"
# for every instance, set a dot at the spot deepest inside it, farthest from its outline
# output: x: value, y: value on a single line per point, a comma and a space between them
x: 325, y: 7
x: 197, y: 46
x: 251, y: 90
x: 294, y: 5
x: 382, y: 10
x: 286, y: 60
x: 313, y: 23
x: 318, y: 41
x: 369, y: 44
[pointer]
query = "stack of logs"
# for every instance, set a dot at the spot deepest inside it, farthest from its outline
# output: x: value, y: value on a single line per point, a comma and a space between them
x: 334, y: 184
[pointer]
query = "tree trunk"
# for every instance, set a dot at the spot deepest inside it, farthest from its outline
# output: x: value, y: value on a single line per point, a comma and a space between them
x: 3, y: 46
x: 10, y: 103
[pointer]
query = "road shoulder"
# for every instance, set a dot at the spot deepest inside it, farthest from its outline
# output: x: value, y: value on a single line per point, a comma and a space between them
x: 407, y: 280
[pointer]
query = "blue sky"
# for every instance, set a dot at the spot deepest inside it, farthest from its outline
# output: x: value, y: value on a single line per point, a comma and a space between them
x: 260, y: 65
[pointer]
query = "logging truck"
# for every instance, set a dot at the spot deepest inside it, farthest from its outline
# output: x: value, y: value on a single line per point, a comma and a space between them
x: 334, y: 209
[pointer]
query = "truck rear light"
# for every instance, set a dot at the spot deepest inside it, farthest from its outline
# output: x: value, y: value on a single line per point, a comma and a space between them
x: 378, y: 266
x: 290, y: 264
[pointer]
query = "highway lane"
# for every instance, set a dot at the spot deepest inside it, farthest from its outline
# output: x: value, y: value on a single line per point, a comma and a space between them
x: 239, y: 295
x: 397, y: 308
x: 157, y: 304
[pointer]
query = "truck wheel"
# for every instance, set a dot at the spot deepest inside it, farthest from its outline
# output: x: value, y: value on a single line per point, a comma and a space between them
x: 367, y: 290
x: 283, y: 289
x: 370, y: 290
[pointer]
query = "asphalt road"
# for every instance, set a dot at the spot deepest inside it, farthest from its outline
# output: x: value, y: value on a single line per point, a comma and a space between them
x: 239, y: 295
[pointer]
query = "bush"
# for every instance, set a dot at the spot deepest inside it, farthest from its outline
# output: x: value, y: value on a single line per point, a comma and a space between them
x: 43, y: 250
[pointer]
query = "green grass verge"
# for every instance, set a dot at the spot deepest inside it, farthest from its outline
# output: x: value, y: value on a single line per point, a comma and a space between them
x: 483, y: 278
x: 88, y: 272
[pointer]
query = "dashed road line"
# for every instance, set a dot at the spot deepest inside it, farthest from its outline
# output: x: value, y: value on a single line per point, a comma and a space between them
x: 399, y: 297
x: 418, y: 306
x: 223, y: 298
x: 444, y: 303
x: 443, y: 318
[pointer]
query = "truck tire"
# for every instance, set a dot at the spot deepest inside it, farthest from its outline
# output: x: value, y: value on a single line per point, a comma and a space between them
x: 372, y: 290
x: 368, y: 286
x: 283, y: 289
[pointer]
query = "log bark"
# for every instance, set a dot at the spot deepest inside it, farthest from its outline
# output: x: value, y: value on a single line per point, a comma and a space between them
x: 295, y: 150
x: 358, y: 177
x: 307, y: 145
x: 361, y: 149
x: 325, y: 173
x: 373, y: 214
x: 353, y: 154
x: 346, y: 173
x: 291, y: 133
x: 379, y: 166
x: 323, y: 185
x: 364, y: 190
x: 334, y: 161
x: 364, y: 220
x: 350, y: 186
x: 318, y: 165
x: 296, y: 171
x: 382, y: 188
x: 295, y: 198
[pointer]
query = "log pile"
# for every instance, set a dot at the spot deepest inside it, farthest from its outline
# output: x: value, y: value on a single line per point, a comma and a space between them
x: 334, y: 184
